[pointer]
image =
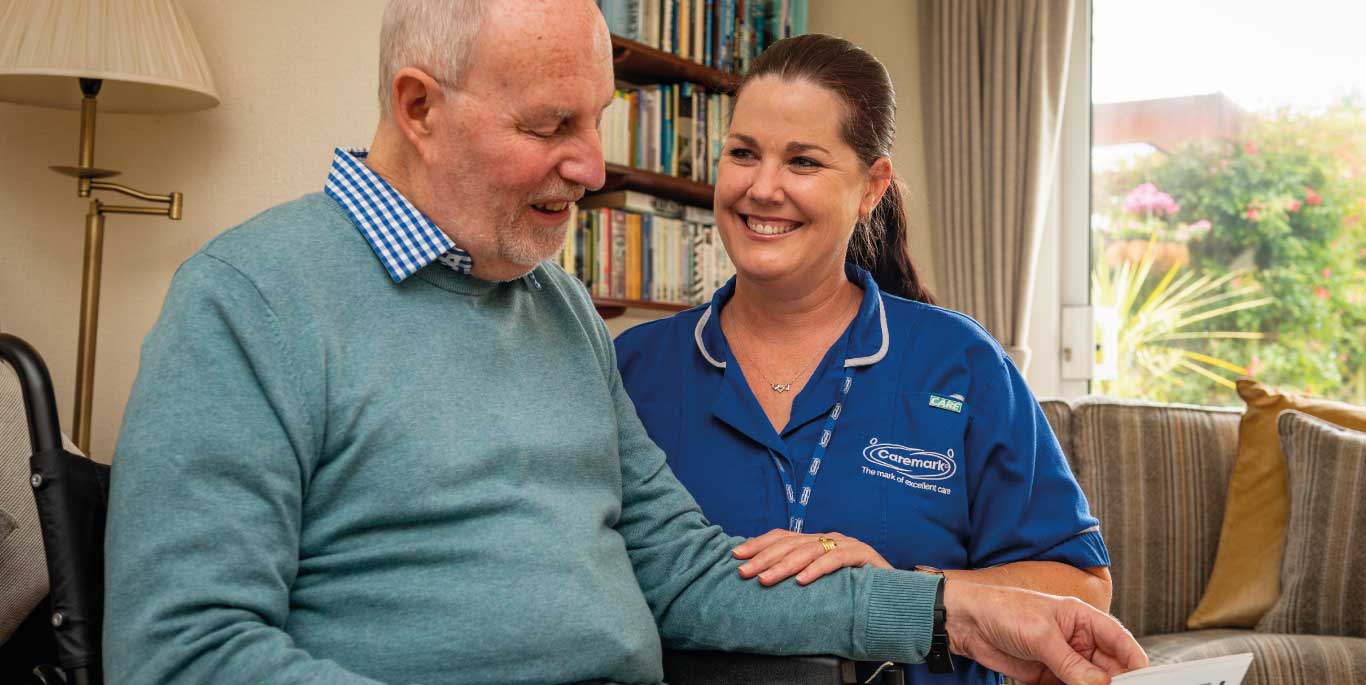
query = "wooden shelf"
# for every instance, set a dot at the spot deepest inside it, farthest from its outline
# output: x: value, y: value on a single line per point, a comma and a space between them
x: 611, y: 307
x: 638, y: 62
x: 660, y: 185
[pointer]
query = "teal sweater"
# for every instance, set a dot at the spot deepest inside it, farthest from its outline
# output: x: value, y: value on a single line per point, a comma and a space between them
x: 327, y: 477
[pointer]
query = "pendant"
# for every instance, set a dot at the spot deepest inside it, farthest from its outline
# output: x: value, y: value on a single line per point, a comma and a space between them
x: 781, y: 387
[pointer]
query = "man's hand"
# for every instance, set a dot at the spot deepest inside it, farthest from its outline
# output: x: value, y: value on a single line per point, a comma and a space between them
x: 1038, y: 638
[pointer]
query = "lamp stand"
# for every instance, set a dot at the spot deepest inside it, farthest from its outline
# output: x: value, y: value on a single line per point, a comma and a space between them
x: 87, y: 181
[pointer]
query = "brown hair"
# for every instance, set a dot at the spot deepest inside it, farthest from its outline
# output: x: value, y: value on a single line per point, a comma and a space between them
x: 862, y: 83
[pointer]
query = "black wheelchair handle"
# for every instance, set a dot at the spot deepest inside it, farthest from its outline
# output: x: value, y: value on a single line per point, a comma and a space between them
x: 43, y: 429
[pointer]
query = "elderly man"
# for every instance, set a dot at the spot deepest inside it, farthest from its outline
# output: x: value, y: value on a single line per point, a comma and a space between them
x: 375, y: 437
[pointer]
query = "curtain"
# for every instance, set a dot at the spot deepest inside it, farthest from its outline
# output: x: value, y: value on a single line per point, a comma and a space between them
x: 994, y: 80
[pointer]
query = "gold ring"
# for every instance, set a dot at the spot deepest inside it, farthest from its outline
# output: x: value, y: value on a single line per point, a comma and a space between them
x: 827, y: 544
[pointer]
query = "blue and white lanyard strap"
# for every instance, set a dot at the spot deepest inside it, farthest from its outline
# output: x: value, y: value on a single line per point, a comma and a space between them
x: 796, y: 503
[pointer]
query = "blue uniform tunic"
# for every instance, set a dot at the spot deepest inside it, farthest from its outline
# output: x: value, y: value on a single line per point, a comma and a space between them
x: 939, y: 455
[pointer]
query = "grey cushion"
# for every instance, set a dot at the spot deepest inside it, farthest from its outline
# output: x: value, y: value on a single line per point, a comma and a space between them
x: 1156, y: 477
x: 1323, y: 571
x: 1276, y: 659
x: 22, y: 565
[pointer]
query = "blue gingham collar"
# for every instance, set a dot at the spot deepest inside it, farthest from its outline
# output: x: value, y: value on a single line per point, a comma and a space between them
x: 403, y: 238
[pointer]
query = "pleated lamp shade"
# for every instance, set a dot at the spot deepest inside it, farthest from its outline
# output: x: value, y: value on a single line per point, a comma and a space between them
x: 144, y: 50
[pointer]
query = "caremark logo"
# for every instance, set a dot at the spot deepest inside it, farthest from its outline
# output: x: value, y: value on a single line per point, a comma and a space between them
x: 910, y: 461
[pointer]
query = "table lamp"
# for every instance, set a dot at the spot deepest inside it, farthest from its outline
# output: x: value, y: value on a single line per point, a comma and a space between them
x: 135, y: 56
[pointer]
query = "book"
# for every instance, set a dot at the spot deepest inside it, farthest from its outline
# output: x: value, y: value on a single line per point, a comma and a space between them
x: 1223, y: 670
x: 698, y: 215
x: 634, y: 201
x: 666, y: 29
x: 618, y: 258
x: 616, y: 12
x: 684, y: 20
x: 684, y: 128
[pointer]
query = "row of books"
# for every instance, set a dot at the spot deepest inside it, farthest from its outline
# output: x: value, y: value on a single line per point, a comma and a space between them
x: 722, y: 34
x: 672, y: 129
x: 630, y: 245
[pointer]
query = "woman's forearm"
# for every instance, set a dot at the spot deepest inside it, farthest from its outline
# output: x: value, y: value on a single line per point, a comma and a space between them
x: 1089, y: 585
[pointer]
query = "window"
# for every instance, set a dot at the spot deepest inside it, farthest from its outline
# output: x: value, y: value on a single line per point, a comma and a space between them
x: 1228, y: 209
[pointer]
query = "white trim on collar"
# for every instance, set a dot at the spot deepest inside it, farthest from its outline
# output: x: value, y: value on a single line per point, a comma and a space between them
x: 882, y: 352
x: 697, y: 334
x: 856, y: 361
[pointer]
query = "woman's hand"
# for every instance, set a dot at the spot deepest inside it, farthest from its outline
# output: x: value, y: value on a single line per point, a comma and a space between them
x: 778, y: 554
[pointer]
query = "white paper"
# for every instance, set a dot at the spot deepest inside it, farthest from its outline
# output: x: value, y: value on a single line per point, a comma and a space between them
x: 1223, y: 670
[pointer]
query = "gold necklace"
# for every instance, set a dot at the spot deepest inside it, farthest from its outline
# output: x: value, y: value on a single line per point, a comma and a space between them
x: 779, y: 388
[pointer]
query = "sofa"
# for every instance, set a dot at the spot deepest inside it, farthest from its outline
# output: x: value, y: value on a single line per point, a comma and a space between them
x: 1156, y: 477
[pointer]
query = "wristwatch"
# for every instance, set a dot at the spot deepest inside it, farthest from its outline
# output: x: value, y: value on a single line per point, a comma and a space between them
x: 938, y: 658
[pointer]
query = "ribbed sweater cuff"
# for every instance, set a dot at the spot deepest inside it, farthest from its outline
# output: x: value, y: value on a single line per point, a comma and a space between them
x: 899, y: 615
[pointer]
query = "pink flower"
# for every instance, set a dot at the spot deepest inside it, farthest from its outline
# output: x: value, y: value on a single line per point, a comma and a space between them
x: 1250, y: 148
x: 1201, y: 226
x: 1294, y: 206
x: 1147, y: 198
x: 1321, y: 293
x: 1327, y: 272
x: 1312, y: 197
x: 1253, y: 215
x: 1255, y: 366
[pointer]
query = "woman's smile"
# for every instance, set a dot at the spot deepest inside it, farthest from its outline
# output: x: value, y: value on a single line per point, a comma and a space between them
x: 769, y: 226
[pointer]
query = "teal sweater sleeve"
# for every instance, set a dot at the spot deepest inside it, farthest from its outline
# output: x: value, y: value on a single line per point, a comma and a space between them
x: 692, y: 584
x: 198, y: 582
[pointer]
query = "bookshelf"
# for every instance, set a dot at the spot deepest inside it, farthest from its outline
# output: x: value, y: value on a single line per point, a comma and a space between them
x: 660, y: 185
x: 640, y: 63
x: 610, y: 307
x: 636, y: 62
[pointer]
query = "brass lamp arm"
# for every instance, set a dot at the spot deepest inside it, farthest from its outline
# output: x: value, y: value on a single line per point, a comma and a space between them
x: 131, y: 192
x: 172, y: 200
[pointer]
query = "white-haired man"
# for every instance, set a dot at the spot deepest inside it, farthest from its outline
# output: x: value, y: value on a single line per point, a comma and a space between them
x: 375, y: 437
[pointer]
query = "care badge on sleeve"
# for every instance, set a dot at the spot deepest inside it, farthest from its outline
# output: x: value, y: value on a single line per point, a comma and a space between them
x: 946, y: 403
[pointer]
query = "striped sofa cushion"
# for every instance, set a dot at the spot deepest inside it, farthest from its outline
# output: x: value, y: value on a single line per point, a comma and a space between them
x: 1156, y: 476
x: 1059, y: 415
x: 1323, y: 572
x: 1277, y: 659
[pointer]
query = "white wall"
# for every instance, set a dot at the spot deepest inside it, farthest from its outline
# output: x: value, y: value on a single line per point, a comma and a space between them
x: 889, y: 29
x: 294, y: 81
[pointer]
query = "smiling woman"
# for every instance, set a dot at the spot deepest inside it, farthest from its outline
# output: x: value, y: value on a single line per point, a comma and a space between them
x: 821, y: 389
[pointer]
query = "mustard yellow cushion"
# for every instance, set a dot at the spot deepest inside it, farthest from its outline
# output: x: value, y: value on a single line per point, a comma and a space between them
x: 1245, y: 581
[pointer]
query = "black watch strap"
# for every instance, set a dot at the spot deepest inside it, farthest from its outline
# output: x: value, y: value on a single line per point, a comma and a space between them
x: 938, y: 658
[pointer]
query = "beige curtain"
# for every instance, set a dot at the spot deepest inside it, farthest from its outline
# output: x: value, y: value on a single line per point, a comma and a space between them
x: 994, y: 79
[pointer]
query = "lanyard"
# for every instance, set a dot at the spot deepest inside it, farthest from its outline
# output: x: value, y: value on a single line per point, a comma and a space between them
x: 796, y: 504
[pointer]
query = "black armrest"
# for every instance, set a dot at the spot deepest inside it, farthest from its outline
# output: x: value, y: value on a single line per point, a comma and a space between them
x: 711, y: 668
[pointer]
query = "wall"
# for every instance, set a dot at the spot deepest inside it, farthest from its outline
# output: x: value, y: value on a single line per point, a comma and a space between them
x: 294, y: 82
x: 889, y: 29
